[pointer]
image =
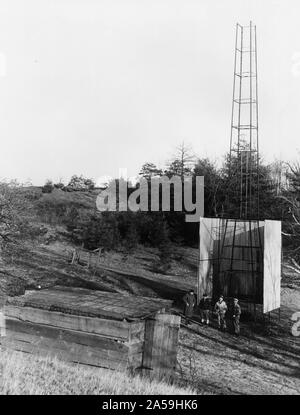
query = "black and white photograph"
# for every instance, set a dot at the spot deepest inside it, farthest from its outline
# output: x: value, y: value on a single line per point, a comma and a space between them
x: 149, y: 201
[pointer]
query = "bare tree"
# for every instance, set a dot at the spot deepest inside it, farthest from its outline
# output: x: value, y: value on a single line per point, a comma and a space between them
x: 279, y: 175
x: 290, y: 199
x: 183, y: 162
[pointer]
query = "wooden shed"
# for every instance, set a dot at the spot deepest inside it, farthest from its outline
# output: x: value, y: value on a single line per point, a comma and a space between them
x: 98, y: 328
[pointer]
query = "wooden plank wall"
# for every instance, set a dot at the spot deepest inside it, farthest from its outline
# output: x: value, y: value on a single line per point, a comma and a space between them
x: 272, y: 265
x: 135, y: 345
x: 147, y: 346
x: 160, y: 348
x: 69, y: 345
x: 94, y: 341
x: 109, y: 328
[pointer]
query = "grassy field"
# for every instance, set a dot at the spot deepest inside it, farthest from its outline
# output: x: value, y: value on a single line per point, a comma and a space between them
x: 22, y: 374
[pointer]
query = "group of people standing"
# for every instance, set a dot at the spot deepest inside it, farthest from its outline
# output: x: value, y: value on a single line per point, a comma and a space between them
x: 205, y: 308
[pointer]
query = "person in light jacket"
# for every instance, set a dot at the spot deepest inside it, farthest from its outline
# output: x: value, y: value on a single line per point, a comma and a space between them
x: 220, y: 310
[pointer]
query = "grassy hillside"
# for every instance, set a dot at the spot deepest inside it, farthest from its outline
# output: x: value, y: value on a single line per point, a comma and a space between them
x: 29, y: 375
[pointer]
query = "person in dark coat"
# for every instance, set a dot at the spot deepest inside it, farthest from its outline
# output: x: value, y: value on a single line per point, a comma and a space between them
x: 236, y: 316
x: 204, y: 307
x: 190, y: 301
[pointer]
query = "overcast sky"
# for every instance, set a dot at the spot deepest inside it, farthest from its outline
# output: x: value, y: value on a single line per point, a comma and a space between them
x: 89, y: 87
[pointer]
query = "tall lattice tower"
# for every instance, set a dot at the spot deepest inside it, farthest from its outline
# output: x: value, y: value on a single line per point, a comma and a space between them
x: 244, y: 150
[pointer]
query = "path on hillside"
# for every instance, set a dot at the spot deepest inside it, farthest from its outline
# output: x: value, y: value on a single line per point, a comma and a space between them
x: 263, y: 360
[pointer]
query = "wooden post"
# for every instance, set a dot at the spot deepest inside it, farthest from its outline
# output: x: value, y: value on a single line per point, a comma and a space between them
x: 73, y: 256
x: 160, y: 347
x: 97, y: 260
x: 2, y: 317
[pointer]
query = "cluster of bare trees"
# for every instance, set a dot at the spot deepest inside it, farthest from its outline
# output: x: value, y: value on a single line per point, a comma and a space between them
x: 289, y: 198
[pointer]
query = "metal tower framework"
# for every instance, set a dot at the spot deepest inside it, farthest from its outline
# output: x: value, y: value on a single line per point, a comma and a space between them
x: 244, y: 149
x: 240, y: 255
x: 236, y: 249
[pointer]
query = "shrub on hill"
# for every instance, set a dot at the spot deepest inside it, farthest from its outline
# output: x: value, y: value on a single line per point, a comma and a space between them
x: 80, y: 183
x: 48, y: 187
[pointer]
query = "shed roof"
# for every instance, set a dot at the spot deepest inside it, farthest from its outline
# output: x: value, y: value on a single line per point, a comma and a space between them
x: 81, y: 301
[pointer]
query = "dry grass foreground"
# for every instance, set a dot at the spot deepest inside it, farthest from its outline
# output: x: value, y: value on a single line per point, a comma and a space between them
x: 22, y: 374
